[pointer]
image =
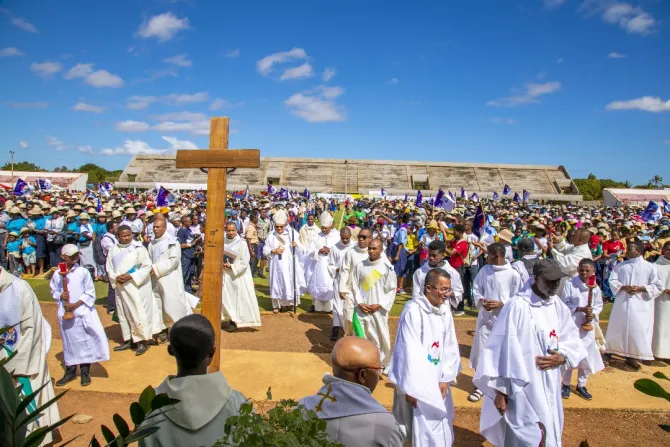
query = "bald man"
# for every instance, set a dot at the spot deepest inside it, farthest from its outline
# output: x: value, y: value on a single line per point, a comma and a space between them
x: 345, y: 401
x: 568, y: 255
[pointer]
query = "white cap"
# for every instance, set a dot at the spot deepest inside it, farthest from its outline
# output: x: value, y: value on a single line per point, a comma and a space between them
x: 326, y: 219
x: 280, y: 217
x: 69, y: 250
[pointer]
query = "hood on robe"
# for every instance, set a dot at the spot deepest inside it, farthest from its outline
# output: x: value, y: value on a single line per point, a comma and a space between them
x: 201, y: 398
x: 350, y: 399
x: 427, y: 307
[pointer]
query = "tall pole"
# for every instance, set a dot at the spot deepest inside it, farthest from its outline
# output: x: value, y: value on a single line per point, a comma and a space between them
x: 346, y: 179
x: 12, y: 154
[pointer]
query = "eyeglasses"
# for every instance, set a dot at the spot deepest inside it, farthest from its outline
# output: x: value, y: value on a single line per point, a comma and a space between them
x: 363, y: 237
x: 445, y: 290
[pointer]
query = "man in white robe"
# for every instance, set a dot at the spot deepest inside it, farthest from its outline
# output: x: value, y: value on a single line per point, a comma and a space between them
x: 287, y: 281
x: 495, y: 284
x: 129, y: 269
x: 527, y: 259
x: 167, y: 279
x: 569, y: 255
x: 84, y: 338
x: 373, y: 283
x: 635, y: 283
x: 661, y: 340
x: 308, y: 233
x: 521, y: 367
x: 320, y: 283
x: 425, y: 362
x: 239, y: 302
x: 345, y: 402
x: 357, y: 254
x: 576, y: 297
x: 335, y: 260
x: 436, y: 251
x: 30, y: 339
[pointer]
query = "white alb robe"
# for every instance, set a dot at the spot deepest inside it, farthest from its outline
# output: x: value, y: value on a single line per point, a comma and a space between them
x: 493, y: 283
x: 84, y: 338
x: 568, y: 256
x: 167, y: 282
x: 135, y: 303
x: 374, y: 282
x: 631, y: 324
x: 351, y: 258
x: 425, y: 354
x: 307, y: 236
x: 18, y: 304
x: 661, y: 340
x: 239, y: 302
x: 335, y: 260
x: 281, y: 270
x: 521, y: 269
x: 419, y: 282
x: 320, y: 284
x: 526, y: 328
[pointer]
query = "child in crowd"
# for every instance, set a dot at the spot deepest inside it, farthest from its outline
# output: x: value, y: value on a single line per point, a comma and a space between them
x: 14, y: 253
x: 28, y: 244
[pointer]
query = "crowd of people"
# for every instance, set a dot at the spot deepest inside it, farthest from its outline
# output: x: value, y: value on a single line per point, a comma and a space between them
x: 536, y: 275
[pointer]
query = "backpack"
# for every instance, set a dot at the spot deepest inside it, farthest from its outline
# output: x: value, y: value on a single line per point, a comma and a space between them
x: 98, y: 254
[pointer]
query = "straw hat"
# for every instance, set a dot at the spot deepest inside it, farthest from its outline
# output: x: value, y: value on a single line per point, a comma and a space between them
x: 36, y: 211
x: 15, y: 210
x: 71, y: 213
x: 84, y: 216
x: 25, y: 230
x: 116, y: 213
x: 505, y: 235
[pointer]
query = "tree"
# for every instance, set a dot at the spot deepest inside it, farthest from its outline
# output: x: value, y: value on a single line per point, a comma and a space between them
x: 656, y: 181
x: 627, y: 184
x: 592, y: 187
x: 22, y: 166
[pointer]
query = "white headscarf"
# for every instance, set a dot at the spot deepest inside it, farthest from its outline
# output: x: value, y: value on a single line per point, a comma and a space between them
x: 326, y: 219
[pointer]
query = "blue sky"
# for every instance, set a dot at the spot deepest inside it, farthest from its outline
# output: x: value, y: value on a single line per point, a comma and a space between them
x: 573, y: 82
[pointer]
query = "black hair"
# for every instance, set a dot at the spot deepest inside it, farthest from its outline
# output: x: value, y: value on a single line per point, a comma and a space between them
x: 526, y: 245
x: 639, y: 245
x: 192, y: 340
x: 460, y: 228
x: 125, y: 228
x: 437, y: 245
x: 111, y: 224
x: 496, y: 249
x: 253, y: 214
x: 587, y: 261
x: 434, y: 275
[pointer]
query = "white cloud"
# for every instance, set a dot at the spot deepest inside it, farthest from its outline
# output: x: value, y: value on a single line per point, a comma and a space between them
x: 559, y: 60
x: 29, y: 105
x: 615, y: 55
x: 394, y: 81
x: 85, y: 149
x: 26, y: 26
x: 180, y: 60
x: 131, y: 126
x: 99, y: 78
x: 163, y: 27
x: 532, y: 93
x: 11, y: 51
x: 181, y: 116
x: 317, y: 105
x: 632, y: 19
x: 328, y: 74
x: 56, y: 143
x: 233, y: 53
x: 138, y: 102
x: 499, y: 120
x: 553, y: 3
x: 186, y: 98
x: 646, y: 104
x: 46, y: 69
x: 24, y: 144
x: 219, y: 103
x: 264, y: 66
x: 84, y: 107
x: 300, y: 72
x: 176, y: 144
x: 195, y: 127
x: 79, y: 71
x: 133, y: 147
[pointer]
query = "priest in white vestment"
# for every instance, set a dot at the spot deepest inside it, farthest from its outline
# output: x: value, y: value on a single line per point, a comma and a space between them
x: 167, y: 279
x: 494, y: 285
x: 436, y: 250
x: 287, y: 280
x: 84, y: 338
x: 576, y: 297
x: 320, y: 282
x: 30, y: 339
x: 661, y: 340
x: 308, y: 233
x: 356, y: 255
x: 373, y: 283
x: 635, y: 284
x: 239, y: 302
x: 335, y: 260
x: 520, y: 369
x: 129, y: 270
x: 569, y: 255
x: 425, y: 363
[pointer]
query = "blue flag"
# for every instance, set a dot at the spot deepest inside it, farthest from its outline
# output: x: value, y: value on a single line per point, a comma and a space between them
x: 666, y: 206
x: 102, y: 191
x: 439, y: 197
x: 451, y: 194
x: 98, y: 206
x: 44, y: 183
x: 431, y: 202
x: 419, y: 197
x: 20, y: 186
x: 109, y: 186
x: 526, y: 195
x: 495, y: 196
x: 479, y: 221
x: 306, y: 194
x: 405, y: 197
x: 271, y: 189
x: 652, y: 213
x: 162, y: 197
x: 283, y: 193
x: 464, y: 194
x: 474, y: 197
x: 383, y: 192
x: 507, y: 190
x: 517, y: 198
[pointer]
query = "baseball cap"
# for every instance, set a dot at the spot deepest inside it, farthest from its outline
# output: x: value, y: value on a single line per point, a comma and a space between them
x: 69, y: 249
x: 549, y: 269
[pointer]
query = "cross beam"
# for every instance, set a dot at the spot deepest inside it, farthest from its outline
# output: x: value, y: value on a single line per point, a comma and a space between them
x: 217, y: 159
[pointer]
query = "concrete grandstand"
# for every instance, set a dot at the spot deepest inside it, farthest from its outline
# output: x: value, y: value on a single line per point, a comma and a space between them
x: 549, y: 183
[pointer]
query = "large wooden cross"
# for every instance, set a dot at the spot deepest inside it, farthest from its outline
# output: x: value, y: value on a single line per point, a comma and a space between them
x: 216, y: 159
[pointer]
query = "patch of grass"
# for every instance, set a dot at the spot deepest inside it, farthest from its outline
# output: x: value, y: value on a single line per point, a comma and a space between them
x: 43, y: 291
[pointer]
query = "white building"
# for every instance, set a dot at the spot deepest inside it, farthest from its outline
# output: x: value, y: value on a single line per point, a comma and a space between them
x: 72, y: 181
x: 635, y: 197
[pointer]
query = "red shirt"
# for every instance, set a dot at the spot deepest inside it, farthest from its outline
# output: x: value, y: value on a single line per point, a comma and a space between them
x: 611, y: 247
x: 461, y: 252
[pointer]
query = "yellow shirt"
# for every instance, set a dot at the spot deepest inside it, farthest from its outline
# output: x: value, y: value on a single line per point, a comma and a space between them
x: 412, y: 243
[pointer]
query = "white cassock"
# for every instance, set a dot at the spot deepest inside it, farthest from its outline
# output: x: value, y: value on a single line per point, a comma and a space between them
x: 18, y: 304
x: 307, y: 236
x: 281, y: 270
x: 374, y: 282
x: 521, y: 268
x: 494, y: 283
x: 526, y: 328
x: 661, y: 340
x: 239, y: 302
x: 167, y: 282
x: 631, y: 324
x: 576, y: 294
x: 419, y: 281
x: 425, y: 354
x: 135, y: 303
x: 568, y: 256
x: 335, y: 260
x: 320, y: 284
x: 84, y: 338
x: 351, y: 258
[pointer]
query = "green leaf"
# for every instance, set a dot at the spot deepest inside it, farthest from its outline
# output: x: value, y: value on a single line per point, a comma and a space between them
x: 146, y: 397
x: 25, y: 401
x: 7, y: 359
x: 35, y: 438
x: 162, y: 400
x: 94, y: 442
x: 121, y: 425
x: 660, y: 375
x: 141, y: 434
x: 651, y: 388
x: 107, y: 434
x: 136, y: 413
x: 8, y: 395
x: 23, y: 422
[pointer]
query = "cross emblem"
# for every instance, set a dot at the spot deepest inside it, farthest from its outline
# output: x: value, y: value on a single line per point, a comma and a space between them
x: 324, y: 397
